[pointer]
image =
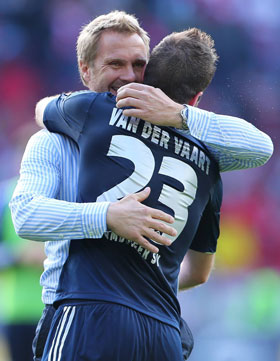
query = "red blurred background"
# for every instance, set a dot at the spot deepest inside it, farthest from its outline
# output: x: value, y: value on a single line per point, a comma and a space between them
x: 240, y: 320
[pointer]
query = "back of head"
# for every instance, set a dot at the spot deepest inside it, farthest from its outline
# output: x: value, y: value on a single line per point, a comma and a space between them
x: 118, y: 21
x: 182, y: 64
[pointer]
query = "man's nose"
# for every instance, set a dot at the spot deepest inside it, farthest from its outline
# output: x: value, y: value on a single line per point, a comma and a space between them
x: 128, y: 74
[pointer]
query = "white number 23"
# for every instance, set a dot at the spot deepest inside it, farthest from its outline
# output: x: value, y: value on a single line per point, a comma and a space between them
x: 142, y: 157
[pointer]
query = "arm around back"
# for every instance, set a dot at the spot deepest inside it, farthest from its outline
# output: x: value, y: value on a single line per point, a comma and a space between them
x: 40, y: 108
x: 233, y: 142
x: 43, y: 204
x: 195, y: 269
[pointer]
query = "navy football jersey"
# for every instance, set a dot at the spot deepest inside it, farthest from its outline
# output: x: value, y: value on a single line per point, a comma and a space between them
x: 120, y: 155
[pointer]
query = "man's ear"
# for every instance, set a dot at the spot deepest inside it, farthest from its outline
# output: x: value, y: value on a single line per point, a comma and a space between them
x: 196, y: 99
x: 85, y: 71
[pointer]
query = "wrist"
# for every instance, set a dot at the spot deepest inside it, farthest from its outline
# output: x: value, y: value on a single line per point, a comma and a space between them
x: 184, y: 117
x: 111, y: 216
x: 94, y: 217
x: 180, y: 118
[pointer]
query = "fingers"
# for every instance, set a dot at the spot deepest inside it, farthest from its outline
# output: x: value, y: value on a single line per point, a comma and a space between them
x: 163, y: 227
x: 152, y: 212
x: 143, y: 242
x: 160, y: 215
x: 129, y: 102
x: 153, y: 236
x: 133, y: 112
x: 130, y: 98
x: 154, y: 219
x: 133, y: 95
x: 155, y: 228
x: 141, y: 196
x: 131, y: 219
x: 158, y: 238
x: 134, y: 86
x: 128, y: 92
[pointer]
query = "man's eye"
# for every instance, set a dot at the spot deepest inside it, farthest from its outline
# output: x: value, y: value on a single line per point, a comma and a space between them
x: 115, y: 63
x: 139, y: 65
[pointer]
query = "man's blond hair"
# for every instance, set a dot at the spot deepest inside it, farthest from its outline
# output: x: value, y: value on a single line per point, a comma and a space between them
x: 89, y: 36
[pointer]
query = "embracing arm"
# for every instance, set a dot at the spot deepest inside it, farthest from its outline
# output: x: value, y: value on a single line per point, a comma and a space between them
x: 37, y: 215
x: 39, y: 109
x: 233, y: 142
x: 195, y: 269
x: 198, y: 263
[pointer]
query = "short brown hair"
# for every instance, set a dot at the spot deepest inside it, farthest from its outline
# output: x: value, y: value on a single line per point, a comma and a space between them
x: 182, y: 64
x: 118, y: 21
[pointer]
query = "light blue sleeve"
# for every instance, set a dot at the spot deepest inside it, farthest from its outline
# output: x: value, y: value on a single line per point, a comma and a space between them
x: 36, y: 214
x: 233, y: 142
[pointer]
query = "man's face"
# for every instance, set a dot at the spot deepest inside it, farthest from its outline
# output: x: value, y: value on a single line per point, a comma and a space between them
x: 121, y: 59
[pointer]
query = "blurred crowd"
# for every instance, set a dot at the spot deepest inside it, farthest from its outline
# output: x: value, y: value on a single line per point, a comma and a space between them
x: 37, y: 58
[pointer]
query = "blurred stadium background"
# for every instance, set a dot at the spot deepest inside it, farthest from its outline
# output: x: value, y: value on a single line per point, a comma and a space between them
x: 236, y: 315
